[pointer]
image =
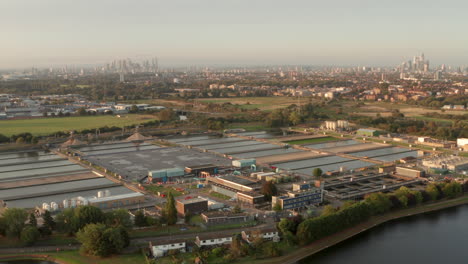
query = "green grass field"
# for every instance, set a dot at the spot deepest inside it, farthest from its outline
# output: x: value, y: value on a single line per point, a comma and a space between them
x: 262, y: 103
x: 311, y: 140
x: 220, y: 195
x: 47, y: 126
x: 158, y: 188
x: 74, y: 257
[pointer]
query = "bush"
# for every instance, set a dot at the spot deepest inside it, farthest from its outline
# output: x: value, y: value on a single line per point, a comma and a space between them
x: 29, y: 235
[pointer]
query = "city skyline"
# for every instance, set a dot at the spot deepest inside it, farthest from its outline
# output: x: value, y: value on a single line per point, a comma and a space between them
x: 343, y: 33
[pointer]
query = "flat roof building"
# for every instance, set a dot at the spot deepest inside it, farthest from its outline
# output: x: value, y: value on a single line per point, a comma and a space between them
x: 301, y: 197
x: 191, y: 206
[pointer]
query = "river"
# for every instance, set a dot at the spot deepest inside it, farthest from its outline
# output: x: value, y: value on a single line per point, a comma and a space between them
x: 433, y: 237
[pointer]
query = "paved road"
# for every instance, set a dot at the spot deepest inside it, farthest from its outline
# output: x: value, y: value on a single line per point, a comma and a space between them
x: 135, y: 241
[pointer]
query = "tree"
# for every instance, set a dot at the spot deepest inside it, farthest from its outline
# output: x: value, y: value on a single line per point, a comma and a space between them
x: 139, y: 219
x: 166, y: 114
x: 287, y: 225
x: 20, y: 140
x: 15, y: 219
x: 433, y: 191
x: 379, y: 202
x: 97, y: 240
x: 294, y: 118
x: 452, y: 189
x: 328, y: 210
x: 133, y: 109
x: 269, y: 189
x: 88, y: 214
x: 171, y: 209
x: 317, y: 172
x: 32, y: 220
x: 82, y: 111
x: 4, y: 139
x: 48, y: 221
x: 66, y: 221
x: 277, y: 207
x: 118, y: 217
x: 270, y: 249
x: 237, y: 209
x: 29, y: 235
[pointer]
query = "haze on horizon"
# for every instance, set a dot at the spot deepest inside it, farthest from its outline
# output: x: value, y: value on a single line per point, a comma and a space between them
x: 260, y: 32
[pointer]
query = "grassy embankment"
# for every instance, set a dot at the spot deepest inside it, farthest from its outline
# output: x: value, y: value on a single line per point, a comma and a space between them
x: 47, y: 126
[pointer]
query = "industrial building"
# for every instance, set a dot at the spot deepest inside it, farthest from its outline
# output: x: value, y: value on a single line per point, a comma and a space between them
x: 135, y: 161
x: 367, y: 132
x: 452, y: 163
x: 216, y: 217
x: 302, y: 196
x: 117, y: 201
x: 410, y: 172
x: 165, y: 175
x: 356, y: 186
x: 191, y: 206
x: 198, y: 170
x: 244, y: 190
x: 38, y: 179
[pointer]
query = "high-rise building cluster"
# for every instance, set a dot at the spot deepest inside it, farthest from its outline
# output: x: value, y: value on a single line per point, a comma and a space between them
x: 418, y: 64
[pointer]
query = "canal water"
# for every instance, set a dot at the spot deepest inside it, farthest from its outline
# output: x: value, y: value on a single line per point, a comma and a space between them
x: 434, y: 237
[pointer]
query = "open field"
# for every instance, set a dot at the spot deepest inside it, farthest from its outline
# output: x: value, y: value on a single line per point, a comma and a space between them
x: 262, y: 103
x: 47, y: 126
x: 410, y: 111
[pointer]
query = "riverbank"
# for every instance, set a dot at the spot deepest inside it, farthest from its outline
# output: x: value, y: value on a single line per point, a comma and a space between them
x: 324, y: 243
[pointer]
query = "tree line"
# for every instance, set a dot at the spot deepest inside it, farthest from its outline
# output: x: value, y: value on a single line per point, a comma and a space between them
x: 332, y: 220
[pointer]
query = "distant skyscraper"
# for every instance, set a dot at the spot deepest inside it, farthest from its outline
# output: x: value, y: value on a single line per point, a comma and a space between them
x: 122, y: 77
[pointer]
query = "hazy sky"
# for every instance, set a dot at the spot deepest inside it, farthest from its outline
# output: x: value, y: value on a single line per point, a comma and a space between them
x: 331, y: 32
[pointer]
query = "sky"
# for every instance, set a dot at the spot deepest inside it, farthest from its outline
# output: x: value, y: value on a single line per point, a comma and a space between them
x: 233, y: 32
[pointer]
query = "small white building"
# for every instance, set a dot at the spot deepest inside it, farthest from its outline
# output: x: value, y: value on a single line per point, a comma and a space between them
x: 461, y: 142
x: 213, y: 240
x: 266, y: 234
x: 160, y: 248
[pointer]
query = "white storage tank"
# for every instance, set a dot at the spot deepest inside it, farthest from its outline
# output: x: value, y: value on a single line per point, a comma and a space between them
x: 54, y: 206
x: 107, y: 193
x: 83, y: 201
x: 65, y: 204
x: 46, y: 206
x: 100, y: 194
x: 73, y: 202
